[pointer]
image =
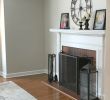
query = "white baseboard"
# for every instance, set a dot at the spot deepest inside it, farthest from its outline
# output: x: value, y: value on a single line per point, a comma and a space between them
x: 26, y: 73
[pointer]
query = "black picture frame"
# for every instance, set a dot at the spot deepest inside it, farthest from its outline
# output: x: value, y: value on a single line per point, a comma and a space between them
x: 100, y: 20
x: 64, y: 21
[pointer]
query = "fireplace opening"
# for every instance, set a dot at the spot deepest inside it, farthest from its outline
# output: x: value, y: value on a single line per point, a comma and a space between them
x: 71, y: 62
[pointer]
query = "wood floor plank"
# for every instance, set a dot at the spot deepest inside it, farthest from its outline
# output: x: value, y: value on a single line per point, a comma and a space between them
x: 33, y: 84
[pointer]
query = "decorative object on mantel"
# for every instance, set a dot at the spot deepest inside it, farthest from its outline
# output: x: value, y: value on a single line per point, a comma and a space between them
x: 79, y: 10
x: 100, y: 20
x: 87, y: 18
x: 80, y: 24
x: 87, y: 24
x: 64, y: 22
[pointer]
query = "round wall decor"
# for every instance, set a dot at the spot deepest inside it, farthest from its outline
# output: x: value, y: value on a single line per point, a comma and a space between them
x: 80, y: 11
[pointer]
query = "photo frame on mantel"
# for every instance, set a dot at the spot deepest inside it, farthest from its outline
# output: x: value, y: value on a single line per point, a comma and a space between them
x: 100, y: 20
x: 64, y: 21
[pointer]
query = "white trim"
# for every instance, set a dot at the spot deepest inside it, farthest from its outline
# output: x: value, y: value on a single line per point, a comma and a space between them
x: 26, y: 73
x: 3, y: 39
x: 100, y: 33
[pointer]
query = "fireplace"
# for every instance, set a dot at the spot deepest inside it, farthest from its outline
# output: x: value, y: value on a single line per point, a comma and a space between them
x: 71, y: 61
x: 92, y: 40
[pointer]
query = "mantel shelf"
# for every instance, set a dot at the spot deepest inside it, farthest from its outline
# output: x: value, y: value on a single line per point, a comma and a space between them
x: 80, y: 32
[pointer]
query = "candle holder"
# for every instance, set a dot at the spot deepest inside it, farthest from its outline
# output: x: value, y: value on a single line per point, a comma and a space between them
x: 87, y: 24
x: 80, y: 24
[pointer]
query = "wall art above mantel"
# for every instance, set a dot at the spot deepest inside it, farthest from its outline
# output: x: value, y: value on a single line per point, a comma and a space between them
x: 81, y: 12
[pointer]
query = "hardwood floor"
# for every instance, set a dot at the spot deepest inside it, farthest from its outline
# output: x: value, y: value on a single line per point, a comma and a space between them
x: 34, y: 85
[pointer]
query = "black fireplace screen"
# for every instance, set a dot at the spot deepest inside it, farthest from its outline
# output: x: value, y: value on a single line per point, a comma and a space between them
x: 88, y: 83
x: 68, y: 73
x: 69, y: 70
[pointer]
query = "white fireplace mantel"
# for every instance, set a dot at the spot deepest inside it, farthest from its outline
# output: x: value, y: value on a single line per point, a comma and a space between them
x: 85, y: 39
x: 80, y: 32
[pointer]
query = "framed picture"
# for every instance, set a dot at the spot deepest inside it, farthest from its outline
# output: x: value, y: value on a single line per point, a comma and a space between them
x: 64, y: 22
x: 100, y: 20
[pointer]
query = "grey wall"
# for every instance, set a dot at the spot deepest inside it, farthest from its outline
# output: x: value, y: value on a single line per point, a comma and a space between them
x: 0, y: 41
x: 24, y: 24
x: 51, y: 21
